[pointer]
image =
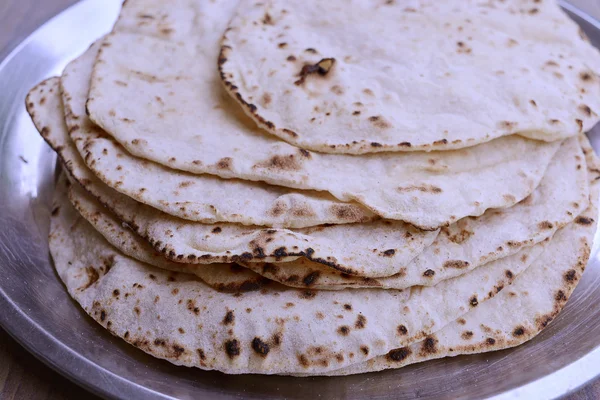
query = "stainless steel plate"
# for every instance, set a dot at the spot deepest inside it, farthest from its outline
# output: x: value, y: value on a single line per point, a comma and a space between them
x: 37, y: 311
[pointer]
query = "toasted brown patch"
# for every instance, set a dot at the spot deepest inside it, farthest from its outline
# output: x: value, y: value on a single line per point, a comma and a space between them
x: 347, y: 212
x: 260, y: 347
x: 336, y: 89
x: 232, y: 348
x: 303, y: 360
x: 229, y: 318
x: 570, y: 276
x: 283, y: 163
x: 92, y: 276
x: 429, y: 345
x: 545, y: 225
x: 344, y: 330
x: 398, y: 355
x: 278, y: 209
x: 458, y: 264
x: 307, y: 294
x: 311, y: 278
x: 321, y: 68
x: 586, y: 76
x: 463, y: 48
x: 581, y: 220
x: 473, y: 301
x: 560, y: 296
x: 585, y: 110
x: 361, y: 322
x: 508, y: 125
x: 402, y: 330
x: 302, y: 211
x: 379, y: 122
x: 225, y: 163
x: 519, y: 331
x: 267, y: 20
x: 543, y: 321
x: 460, y: 237
x: 291, y: 133
x: 421, y: 188
x: 266, y: 99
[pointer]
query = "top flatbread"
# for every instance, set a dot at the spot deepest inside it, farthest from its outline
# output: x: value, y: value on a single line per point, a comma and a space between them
x: 369, y: 76
x: 145, y: 87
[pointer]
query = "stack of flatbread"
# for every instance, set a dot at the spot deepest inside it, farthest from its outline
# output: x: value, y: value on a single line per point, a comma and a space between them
x: 324, y: 188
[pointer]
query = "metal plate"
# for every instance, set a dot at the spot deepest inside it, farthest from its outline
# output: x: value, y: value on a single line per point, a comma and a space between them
x: 37, y: 311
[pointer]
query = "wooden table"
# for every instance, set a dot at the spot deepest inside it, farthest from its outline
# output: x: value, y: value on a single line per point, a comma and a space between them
x: 22, y: 376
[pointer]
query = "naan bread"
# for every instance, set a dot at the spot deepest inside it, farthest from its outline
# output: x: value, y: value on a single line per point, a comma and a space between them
x: 204, y: 198
x: 272, y: 331
x: 182, y: 93
x: 370, y: 76
x: 377, y: 248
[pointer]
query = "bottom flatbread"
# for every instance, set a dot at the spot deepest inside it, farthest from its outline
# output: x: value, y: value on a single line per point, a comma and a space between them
x: 275, y: 330
x: 518, y: 313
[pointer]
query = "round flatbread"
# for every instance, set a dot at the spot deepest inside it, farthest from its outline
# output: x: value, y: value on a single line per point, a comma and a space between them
x: 376, y: 248
x: 204, y: 198
x: 276, y: 330
x: 371, y: 76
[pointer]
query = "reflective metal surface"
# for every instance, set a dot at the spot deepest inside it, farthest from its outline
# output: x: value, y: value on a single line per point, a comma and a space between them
x: 36, y: 310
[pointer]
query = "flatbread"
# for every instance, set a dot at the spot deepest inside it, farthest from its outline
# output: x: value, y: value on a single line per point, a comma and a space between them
x: 471, y: 242
x: 515, y: 315
x: 272, y: 331
x: 371, y: 76
x: 203, y: 198
x: 377, y: 248
x: 536, y: 219
x: 223, y: 277
x: 183, y: 93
